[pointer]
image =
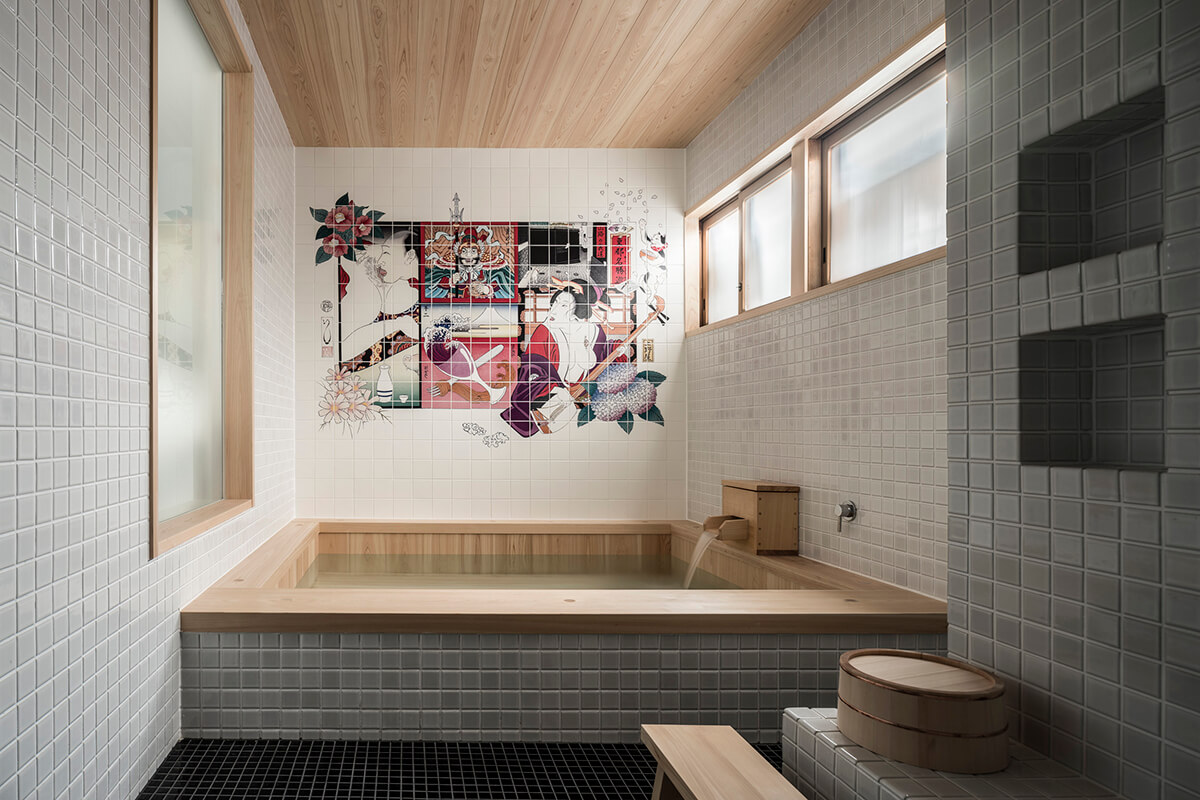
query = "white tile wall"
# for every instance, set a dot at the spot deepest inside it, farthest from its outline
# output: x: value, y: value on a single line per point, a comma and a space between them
x: 845, y: 396
x: 842, y: 45
x: 419, y: 463
x: 89, y: 644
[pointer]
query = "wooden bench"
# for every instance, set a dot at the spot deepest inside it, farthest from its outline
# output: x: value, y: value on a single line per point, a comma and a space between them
x: 711, y: 762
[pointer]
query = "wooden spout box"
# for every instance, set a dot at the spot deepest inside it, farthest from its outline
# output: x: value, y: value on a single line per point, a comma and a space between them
x: 773, y: 511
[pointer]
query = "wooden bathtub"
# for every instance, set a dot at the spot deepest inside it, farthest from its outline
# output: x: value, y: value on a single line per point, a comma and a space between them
x: 777, y: 594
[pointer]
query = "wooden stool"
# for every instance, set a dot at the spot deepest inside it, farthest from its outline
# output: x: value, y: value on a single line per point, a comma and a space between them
x: 711, y: 762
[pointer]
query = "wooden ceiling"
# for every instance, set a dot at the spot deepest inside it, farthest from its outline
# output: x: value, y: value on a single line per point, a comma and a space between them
x: 513, y: 73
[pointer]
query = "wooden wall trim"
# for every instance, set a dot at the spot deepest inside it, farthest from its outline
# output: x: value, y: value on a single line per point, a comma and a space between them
x: 238, y: 247
x: 178, y: 530
x: 217, y: 24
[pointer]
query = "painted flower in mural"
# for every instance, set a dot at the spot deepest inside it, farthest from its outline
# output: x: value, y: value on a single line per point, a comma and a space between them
x: 361, y: 407
x: 352, y: 225
x: 334, y: 409
x: 346, y: 229
x: 640, y: 396
x: 347, y: 401
x: 608, y: 407
x: 616, y: 377
x: 339, y: 389
x: 334, y: 246
x: 340, y: 217
x: 631, y: 394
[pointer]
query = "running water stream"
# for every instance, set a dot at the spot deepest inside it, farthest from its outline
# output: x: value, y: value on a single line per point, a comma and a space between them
x: 706, y: 538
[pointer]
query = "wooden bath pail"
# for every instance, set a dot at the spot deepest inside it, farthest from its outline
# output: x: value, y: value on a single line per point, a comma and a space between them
x: 924, y: 710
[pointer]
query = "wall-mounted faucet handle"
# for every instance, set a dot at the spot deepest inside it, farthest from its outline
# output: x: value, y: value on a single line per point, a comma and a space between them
x: 845, y: 511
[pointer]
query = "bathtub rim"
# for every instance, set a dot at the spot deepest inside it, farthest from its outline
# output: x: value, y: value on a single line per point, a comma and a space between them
x: 258, y: 594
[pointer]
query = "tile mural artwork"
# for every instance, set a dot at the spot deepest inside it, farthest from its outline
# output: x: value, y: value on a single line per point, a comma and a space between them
x: 537, y: 321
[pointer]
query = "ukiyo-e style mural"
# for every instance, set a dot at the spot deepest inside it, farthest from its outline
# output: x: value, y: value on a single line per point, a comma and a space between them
x: 537, y: 322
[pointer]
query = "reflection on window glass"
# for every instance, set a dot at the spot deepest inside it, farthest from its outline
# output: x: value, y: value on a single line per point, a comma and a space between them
x: 769, y: 242
x: 721, y: 244
x: 887, y: 186
x: 188, y: 284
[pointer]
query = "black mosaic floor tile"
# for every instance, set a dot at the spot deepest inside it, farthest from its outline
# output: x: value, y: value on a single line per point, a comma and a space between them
x: 224, y: 769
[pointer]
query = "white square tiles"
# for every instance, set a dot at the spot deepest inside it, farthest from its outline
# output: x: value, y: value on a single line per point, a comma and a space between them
x: 463, y: 460
x: 89, y: 643
x: 844, y: 396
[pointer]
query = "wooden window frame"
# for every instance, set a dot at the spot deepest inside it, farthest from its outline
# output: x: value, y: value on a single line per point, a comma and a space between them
x: 802, y: 149
x: 237, y: 249
x: 739, y: 204
x: 896, y: 95
x: 712, y: 219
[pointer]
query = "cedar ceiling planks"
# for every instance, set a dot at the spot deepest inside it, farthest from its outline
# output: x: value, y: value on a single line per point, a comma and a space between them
x: 513, y: 73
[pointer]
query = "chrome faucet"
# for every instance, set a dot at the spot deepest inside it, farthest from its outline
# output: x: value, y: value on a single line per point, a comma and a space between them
x: 845, y: 511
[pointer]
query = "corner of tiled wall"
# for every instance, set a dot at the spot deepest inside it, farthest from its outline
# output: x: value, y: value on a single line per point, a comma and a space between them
x: 89, y: 702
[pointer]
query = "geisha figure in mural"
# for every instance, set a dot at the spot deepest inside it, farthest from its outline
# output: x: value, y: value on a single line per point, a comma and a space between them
x: 560, y: 355
x: 381, y: 316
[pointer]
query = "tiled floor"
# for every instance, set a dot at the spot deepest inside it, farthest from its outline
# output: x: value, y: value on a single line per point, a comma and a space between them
x: 224, y: 769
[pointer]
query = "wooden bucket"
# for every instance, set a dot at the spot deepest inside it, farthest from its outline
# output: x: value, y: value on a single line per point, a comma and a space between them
x: 924, y: 710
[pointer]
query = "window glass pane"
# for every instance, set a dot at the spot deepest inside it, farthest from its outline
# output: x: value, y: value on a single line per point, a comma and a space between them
x: 887, y: 186
x: 721, y: 244
x: 769, y: 242
x: 188, y: 281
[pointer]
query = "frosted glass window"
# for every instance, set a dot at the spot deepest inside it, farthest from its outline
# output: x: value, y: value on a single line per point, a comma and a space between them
x: 769, y: 242
x: 887, y: 186
x: 722, y: 243
x: 189, y: 367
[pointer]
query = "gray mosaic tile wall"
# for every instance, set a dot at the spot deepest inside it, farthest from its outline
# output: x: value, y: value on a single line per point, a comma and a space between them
x: 1078, y: 581
x: 505, y: 687
x: 843, y: 396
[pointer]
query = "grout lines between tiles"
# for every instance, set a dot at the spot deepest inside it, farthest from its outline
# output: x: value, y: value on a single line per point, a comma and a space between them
x: 279, y: 769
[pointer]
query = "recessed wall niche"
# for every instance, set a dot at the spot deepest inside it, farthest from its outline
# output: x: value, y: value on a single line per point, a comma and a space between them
x: 1093, y: 189
x: 1093, y: 396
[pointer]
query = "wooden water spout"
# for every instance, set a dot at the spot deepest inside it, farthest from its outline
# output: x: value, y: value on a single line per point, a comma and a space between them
x: 724, y: 526
x: 729, y: 528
